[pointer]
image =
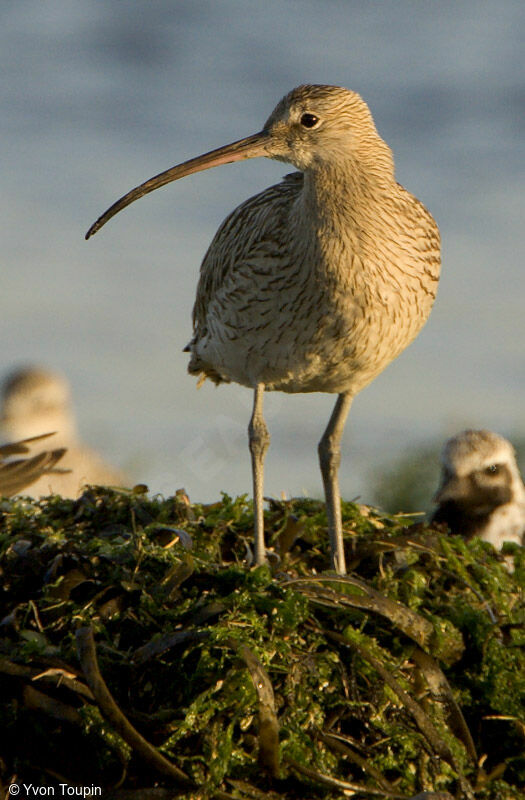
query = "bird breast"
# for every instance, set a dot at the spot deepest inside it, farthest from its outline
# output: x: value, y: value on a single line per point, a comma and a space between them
x: 304, y: 306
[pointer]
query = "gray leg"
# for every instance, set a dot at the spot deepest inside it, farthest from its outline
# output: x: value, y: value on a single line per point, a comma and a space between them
x: 259, y: 439
x: 330, y: 458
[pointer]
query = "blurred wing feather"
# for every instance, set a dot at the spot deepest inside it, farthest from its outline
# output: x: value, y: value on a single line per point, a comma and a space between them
x: 20, y: 473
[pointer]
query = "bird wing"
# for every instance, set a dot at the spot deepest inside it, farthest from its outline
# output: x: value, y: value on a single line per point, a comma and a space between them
x: 22, y: 472
x: 248, y: 231
x: 15, y: 448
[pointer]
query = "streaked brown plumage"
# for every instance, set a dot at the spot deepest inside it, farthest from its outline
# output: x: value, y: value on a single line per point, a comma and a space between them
x: 314, y: 284
x: 16, y: 474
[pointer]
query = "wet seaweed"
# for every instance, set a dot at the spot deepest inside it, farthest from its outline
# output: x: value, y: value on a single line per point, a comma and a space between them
x: 140, y: 651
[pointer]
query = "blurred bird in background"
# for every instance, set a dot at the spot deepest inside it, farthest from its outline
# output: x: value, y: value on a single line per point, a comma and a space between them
x: 16, y: 474
x: 35, y: 401
x: 481, y: 491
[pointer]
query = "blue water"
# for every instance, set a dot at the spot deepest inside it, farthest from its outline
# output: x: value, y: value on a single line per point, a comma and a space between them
x: 97, y: 97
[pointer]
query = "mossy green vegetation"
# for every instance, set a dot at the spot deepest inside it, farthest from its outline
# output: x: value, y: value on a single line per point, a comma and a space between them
x: 282, y: 681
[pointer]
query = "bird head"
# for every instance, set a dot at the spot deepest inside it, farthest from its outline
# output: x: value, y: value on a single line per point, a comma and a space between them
x: 35, y: 400
x: 479, y: 472
x: 315, y: 125
x: 312, y: 126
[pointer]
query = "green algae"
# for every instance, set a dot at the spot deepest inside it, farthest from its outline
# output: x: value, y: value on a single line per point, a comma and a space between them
x: 172, y: 602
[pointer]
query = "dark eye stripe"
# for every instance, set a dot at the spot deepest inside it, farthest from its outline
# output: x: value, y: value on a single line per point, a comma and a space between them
x: 309, y: 120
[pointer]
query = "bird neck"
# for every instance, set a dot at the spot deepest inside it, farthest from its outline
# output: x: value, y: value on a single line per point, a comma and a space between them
x: 358, y: 176
x: 341, y: 204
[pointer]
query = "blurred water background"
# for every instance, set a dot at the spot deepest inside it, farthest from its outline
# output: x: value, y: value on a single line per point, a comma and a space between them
x: 97, y: 97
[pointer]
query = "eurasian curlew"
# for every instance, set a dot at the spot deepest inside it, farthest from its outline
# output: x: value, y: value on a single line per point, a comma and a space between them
x: 316, y: 283
x: 16, y: 474
x: 34, y: 400
x: 481, y: 491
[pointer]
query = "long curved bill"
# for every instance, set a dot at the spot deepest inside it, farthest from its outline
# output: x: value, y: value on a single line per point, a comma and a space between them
x: 250, y: 147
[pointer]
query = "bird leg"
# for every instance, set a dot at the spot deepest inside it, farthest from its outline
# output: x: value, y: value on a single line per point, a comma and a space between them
x: 329, y: 458
x: 259, y: 439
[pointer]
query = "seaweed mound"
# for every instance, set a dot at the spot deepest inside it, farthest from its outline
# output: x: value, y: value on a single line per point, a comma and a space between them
x: 141, y: 653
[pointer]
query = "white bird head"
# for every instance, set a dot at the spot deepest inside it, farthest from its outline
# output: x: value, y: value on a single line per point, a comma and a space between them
x: 36, y: 400
x: 479, y: 470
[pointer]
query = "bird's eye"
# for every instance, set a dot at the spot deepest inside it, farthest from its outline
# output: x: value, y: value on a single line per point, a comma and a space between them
x: 493, y: 469
x: 309, y: 120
